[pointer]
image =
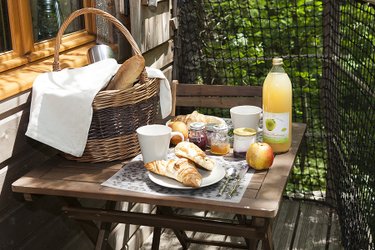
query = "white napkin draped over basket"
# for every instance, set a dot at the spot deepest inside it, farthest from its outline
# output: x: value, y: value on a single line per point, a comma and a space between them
x: 61, y: 106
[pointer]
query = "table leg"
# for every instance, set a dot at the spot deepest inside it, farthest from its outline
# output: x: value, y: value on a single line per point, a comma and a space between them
x: 181, y: 235
x: 156, y: 238
x: 250, y: 243
x: 157, y: 233
x: 267, y: 243
x: 88, y: 226
x: 266, y: 226
x: 102, y: 240
x: 105, y: 228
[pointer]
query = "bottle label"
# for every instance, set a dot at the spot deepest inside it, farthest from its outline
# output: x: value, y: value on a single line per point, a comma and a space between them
x: 275, y: 127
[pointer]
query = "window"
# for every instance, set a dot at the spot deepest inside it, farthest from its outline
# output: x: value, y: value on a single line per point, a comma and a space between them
x: 5, y: 39
x: 28, y: 29
x: 48, y: 15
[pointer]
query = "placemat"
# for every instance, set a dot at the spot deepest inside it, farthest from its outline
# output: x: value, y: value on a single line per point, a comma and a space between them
x: 134, y: 177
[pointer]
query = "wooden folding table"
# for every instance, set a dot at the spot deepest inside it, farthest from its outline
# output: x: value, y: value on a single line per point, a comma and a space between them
x: 255, y: 212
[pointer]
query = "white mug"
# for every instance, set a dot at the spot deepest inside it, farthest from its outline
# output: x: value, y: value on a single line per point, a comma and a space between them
x: 246, y: 116
x: 154, y: 141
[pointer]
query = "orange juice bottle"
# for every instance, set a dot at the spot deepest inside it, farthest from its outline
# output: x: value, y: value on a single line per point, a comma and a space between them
x: 277, y: 108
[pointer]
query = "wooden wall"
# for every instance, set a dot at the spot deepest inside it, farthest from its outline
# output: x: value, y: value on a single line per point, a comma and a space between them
x: 23, y: 224
x: 40, y: 224
x: 153, y: 30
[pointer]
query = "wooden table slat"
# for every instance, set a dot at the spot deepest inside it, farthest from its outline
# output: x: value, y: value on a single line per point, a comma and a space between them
x: 277, y: 176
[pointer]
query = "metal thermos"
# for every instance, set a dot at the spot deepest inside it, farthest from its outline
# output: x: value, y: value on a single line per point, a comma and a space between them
x: 99, y: 52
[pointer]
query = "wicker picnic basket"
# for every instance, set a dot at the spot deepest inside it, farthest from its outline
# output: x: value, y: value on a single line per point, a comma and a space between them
x: 116, y: 113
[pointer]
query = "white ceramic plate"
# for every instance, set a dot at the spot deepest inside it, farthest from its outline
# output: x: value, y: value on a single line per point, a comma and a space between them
x: 208, y: 178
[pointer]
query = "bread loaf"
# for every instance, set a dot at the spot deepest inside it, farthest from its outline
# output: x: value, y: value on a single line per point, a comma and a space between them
x: 128, y: 73
x: 181, y: 170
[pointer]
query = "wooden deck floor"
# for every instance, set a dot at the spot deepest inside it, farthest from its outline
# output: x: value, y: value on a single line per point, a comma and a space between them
x: 300, y: 225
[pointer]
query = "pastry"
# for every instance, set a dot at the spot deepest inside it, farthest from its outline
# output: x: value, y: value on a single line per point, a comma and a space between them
x: 196, y: 117
x: 192, y: 152
x: 179, y: 169
x: 128, y: 73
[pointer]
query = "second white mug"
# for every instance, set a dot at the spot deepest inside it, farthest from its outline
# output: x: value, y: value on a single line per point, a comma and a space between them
x: 246, y: 116
x: 154, y: 141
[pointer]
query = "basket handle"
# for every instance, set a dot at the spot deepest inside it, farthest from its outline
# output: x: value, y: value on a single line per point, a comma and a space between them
x: 117, y: 23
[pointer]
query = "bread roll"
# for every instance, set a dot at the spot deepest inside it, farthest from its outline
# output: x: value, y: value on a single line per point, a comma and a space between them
x: 196, y: 117
x: 192, y: 152
x: 128, y: 73
x: 181, y: 170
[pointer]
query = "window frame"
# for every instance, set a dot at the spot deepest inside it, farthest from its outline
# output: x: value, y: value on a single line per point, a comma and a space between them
x: 24, y: 50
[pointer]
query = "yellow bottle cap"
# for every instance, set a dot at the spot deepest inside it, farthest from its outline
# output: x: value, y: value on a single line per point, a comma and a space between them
x: 277, y: 61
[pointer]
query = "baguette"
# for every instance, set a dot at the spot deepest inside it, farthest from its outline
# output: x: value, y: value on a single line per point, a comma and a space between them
x: 181, y: 170
x: 192, y: 152
x: 128, y: 73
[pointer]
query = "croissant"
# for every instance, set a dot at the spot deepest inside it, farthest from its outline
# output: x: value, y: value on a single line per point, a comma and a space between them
x: 192, y: 152
x: 181, y: 170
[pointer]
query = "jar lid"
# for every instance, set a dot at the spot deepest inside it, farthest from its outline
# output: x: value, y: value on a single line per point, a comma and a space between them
x: 244, y: 131
x: 197, y: 125
x: 210, y: 126
x: 220, y: 127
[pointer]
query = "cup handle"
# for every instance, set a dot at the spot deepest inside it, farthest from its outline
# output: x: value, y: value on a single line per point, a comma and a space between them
x: 173, y: 133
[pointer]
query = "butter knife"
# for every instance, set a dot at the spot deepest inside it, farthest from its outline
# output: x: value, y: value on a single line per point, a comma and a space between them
x: 238, y: 179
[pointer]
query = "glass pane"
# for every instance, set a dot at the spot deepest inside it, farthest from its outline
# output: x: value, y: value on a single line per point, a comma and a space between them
x: 48, y: 15
x: 5, y: 38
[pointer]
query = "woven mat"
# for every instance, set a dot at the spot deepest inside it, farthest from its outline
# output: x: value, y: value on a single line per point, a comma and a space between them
x: 134, y: 177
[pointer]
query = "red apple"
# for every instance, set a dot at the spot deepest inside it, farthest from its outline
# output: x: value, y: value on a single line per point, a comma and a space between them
x: 260, y: 156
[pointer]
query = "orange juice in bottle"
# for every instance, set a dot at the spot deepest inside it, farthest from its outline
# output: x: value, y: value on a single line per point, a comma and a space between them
x: 277, y: 108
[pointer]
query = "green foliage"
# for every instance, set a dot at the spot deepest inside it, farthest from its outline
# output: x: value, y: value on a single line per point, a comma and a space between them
x: 234, y: 42
x: 333, y: 87
x: 239, y: 40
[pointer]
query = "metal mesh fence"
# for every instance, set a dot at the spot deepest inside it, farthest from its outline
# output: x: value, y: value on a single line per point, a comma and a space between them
x: 233, y: 42
x: 328, y: 51
x: 349, y: 107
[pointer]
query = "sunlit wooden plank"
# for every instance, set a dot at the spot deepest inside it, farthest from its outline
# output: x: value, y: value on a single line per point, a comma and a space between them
x: 26, y: 26
x: 14, y: 24
x: 15, y: 81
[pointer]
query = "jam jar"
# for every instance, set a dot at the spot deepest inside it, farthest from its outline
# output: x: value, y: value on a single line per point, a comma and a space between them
x: 197, y: 134
x: 243, y: 138
x: 220, y: 141
x: 209, y: 133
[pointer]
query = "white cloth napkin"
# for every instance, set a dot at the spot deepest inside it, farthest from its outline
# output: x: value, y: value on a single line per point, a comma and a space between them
x: 165, y: 91
x: 61, y: 111
x: 61, y: 106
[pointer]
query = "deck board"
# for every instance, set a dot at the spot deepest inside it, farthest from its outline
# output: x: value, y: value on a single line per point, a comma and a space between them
x: 312, y: 227
x: 335, y: 234
x: 299, y: 225
x: 285, y: 224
